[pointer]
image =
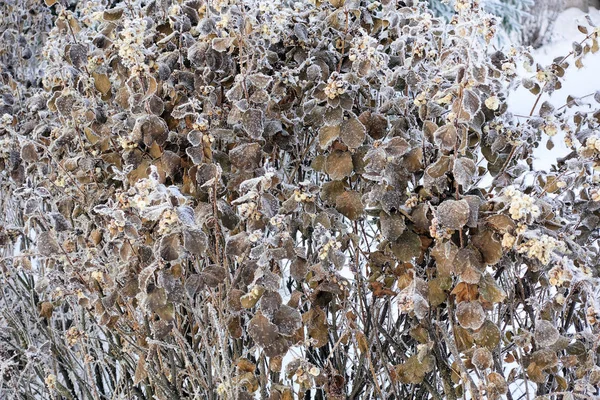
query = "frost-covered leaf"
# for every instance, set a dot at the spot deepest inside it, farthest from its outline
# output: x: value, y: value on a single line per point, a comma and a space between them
x: 46, y: 244
x: 288, y: 320
x: 352, y: 133
x: 253, y: 123
x: 350, y: 205
x: 414, y: 370
x: 262, y: 331
x: 446, y: 137
x: 327, y: 135
x: 169, y: 247
x: 195, y: 241
x: 546, y: 333
x: 463, y: 171
x: 339, y: 164
x: 482, y: 358
x: 470, y: 314
x: 407, y: 246
x: 471, y: 102
x: 453, y: 214
x: 488, y: 335
x: 392, y: 226
x: 246, y: 156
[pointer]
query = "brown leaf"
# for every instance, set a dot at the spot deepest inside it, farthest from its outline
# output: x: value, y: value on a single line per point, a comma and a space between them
x: 414, y: 371
x: 397, y: 147
x: 316, y: 323
x: 327, y: 135
x: 169, y: 247
x: 470, y: 314
x: 463, y: 171
x: 338, y: 164
x: 140, y: 371
x: 352, y: 133
x: 101, y: 82
x: 246, y: 157
x: 350, y: 205
x: 46, y: 244
x: 445, y: 137
x: 489, y: 246
x: 288, y: 320
x: 253, y: 123
x: 465, y: 292
x: 195, y: 241
x: 407, y: 246
x: 453, y: 214
x: 46, y: 309
x: 482, y: 359
x: 375, y: 124
x: 490, y: 291
x: 496, y: 383
x: 471, y: 102
x: 546, y: 333
x: 262, y: 331
x: 488, y: 335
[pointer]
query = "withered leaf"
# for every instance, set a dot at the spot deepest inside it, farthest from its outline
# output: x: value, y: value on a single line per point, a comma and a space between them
x: 288, y: 320
x: 352, y: 133
x: 237, y: 245
x: 350, y: 205
x: 407, y: 246
x: 195, y: 241
x: 489, y: 246
x: 253, y: 123
x: 546, y: 333
x: 414, y: 371
x: 260, y: 81
x: 169, y: 247
x: 338, y: 164
x: 482, y: 358
x: 397, y: 147
x: 463, y: 171
x: 490, y: 291
x: 250, y: 299
x: 453, y: 214
x: 101, y: 82
x: 488, y: 335
x: 392, y: 226
x: 212, y: 276
x: 375, y: 124
x: 78, y: 54
x: 46, y: 309
x: 140, y: 371
x: 445, y: 137
x: 465, y: 292
x: 316, y: 322
x: 270, y: 302
x: 327, y: 135
x: 470, y: 314
x: 471, y: 102
x: 262, y: 331
x: 496, y: 383
x: 47, y: 244
x: 246, y: 156
x: 331, y: 190
x: 222, y: 44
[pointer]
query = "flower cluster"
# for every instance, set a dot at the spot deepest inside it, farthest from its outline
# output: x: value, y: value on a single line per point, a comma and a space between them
x: 540, y: 248
x: 521, y: 205
x: 130, y: 42
x: 335, y: 87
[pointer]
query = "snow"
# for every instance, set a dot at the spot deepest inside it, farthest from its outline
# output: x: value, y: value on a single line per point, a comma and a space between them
x: 576, y: 82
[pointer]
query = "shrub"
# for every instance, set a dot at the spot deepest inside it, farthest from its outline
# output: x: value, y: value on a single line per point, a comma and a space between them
x: 290, y: 199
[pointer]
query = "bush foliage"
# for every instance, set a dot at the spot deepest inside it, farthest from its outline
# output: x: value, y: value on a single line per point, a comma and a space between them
x: 279, y: 200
